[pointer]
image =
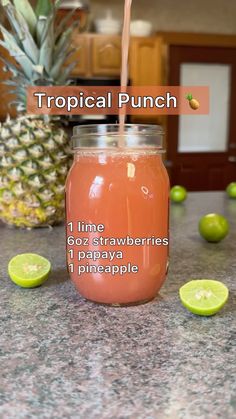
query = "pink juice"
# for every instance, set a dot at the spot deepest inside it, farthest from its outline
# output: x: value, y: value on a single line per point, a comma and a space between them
x: 126, y: 194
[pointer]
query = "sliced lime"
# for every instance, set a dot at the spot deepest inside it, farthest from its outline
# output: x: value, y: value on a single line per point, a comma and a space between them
x: 29, y: 270
x: 204, y: 297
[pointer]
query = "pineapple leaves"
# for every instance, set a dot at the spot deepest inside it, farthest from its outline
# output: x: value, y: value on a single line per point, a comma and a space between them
x: 57, y: 4
x: 13, y: 83
x: 38, y: 69
x: 43, y: 8
x: 24, y: 7
x: 43, y: 27
x: 63, y: 23
x: 63, y: 44
x: 46, y: 50
x: 40, y: 47
x: 11, y: 65
x: 63, y: 79
x: 57, y: 67
x: 60, y: 61
x: 13, y: 68
x: 22, y: 33
x: 15, y: 51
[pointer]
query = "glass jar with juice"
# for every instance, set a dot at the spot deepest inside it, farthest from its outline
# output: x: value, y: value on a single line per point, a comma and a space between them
x: 117, y: 210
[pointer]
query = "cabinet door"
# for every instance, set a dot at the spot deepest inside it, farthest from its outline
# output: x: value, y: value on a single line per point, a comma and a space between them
x: 146, y: 69
x: 146, y: 61
x: 106, y: 55
x: 81, y: 55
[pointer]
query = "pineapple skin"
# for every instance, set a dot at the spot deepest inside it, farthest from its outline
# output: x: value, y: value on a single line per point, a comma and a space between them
x: 34, y: 161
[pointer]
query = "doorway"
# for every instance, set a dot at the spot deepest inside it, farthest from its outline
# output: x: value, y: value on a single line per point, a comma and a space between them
x: 202, y: 149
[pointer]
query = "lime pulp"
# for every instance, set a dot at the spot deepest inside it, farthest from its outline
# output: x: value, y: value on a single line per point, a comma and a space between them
x: 29, y: 270
x: 204, y: 297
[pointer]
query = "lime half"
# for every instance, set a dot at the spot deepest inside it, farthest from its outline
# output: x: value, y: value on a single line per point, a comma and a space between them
x: 204, y: 297
x: 29, y: 270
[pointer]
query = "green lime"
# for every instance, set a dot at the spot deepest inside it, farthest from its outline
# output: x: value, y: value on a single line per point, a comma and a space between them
x: 231, y: 190
x: 204, y: 297
x: 213, y: 227
x: 29, y: 270
x: 178, y: 193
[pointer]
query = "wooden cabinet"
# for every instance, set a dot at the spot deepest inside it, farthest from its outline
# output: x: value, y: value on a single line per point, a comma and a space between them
x: 146, y: 69
x: 100, y: 56
x: 146, y: 62
x: 96, y: 55
x: 81, y: 55
x: 106, y: 56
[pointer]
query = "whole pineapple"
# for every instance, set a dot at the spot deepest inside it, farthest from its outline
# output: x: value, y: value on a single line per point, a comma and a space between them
x: 34, y: 151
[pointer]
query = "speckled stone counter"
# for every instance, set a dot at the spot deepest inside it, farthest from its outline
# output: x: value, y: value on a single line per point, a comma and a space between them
x: 63, y: 357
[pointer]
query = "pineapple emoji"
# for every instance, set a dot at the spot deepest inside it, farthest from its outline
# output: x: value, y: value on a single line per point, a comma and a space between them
x: 34, y: 151
x: 193, y: 103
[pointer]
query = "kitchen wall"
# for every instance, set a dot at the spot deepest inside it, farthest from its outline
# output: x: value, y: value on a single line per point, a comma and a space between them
x: 209, y: 16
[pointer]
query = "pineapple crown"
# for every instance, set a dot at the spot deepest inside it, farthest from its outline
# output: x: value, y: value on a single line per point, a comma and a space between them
x: 38, y: 46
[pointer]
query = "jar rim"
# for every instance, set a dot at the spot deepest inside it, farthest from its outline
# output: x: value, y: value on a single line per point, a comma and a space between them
x: 105, y: 136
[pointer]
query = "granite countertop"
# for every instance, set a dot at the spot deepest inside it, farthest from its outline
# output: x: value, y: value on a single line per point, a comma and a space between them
x: 63, y: 357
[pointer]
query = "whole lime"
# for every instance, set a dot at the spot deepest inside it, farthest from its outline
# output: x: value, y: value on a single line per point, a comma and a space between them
x: 231, y: 190
x: 178, y: 193
x: 213, y: 227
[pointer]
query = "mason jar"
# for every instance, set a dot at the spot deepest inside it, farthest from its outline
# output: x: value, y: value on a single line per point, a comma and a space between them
x: 117, y: 213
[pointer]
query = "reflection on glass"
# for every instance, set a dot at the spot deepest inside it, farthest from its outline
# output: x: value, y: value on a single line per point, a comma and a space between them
x: 96, y: 187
